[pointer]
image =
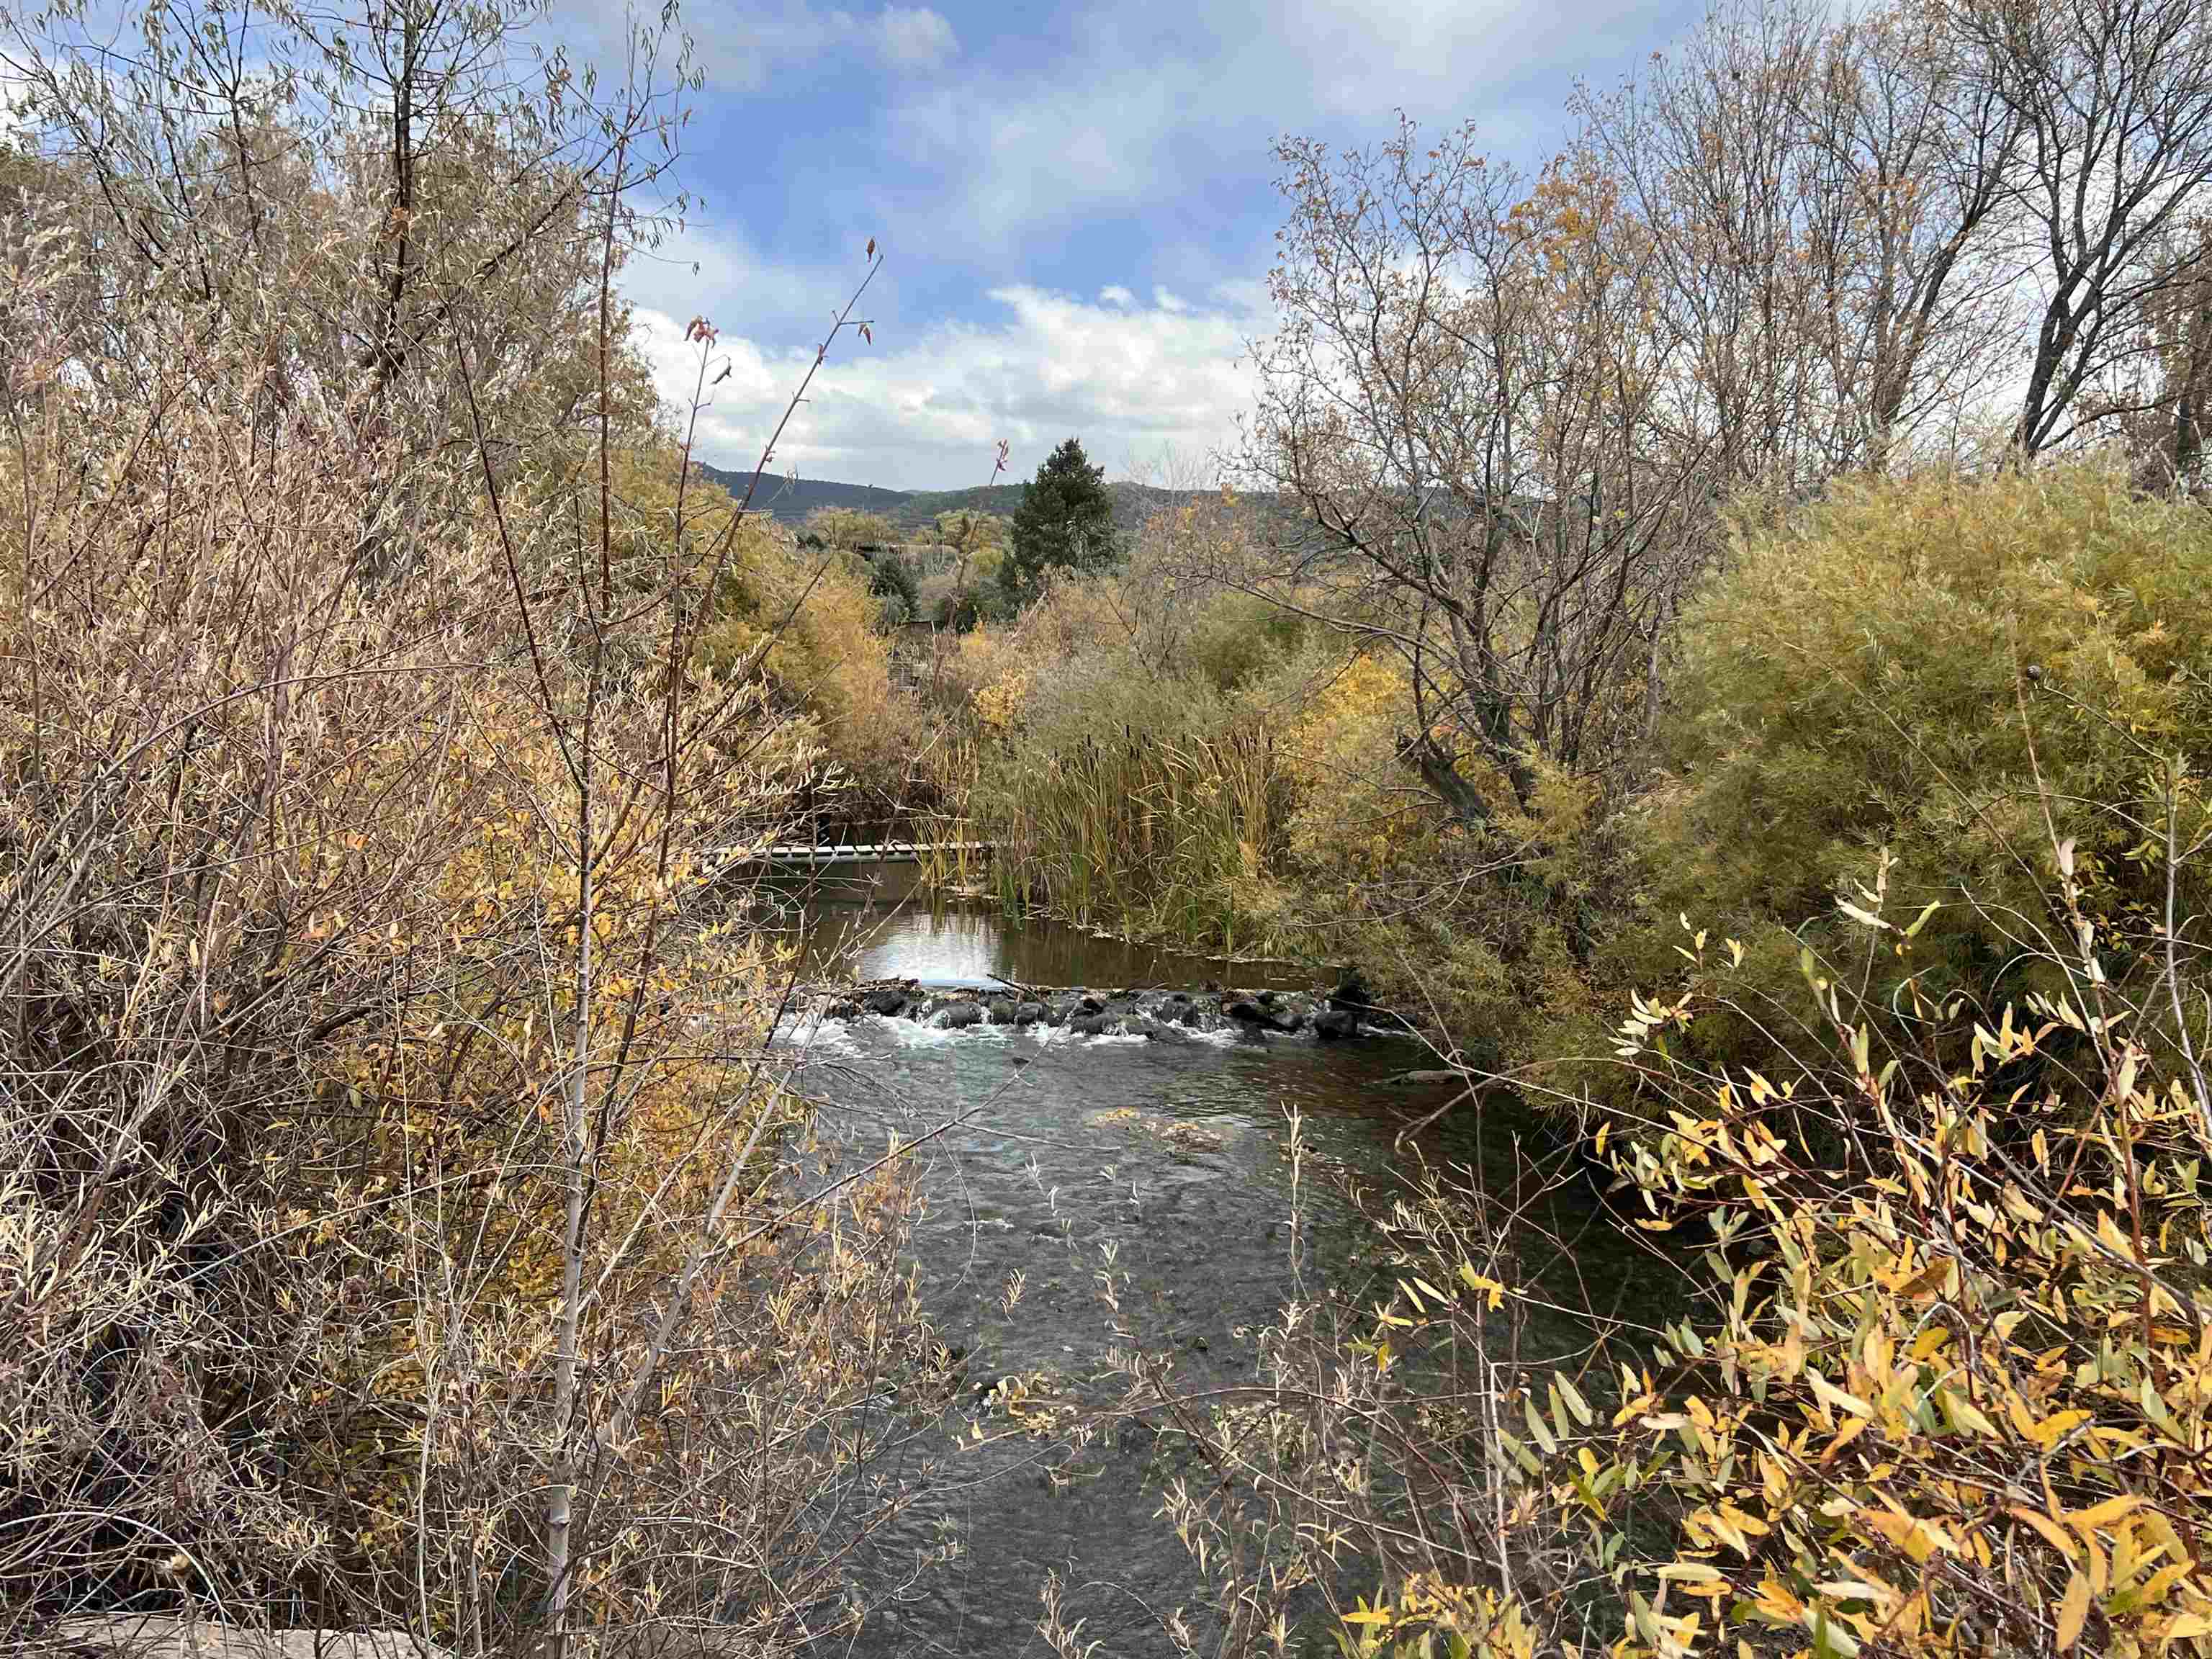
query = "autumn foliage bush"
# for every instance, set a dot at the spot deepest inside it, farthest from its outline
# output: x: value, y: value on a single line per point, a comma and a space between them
x: 1960, y: 670
x: 1908, y: 1107
x: 1947, y: 1391
x: 405, y: 1219
x: 1126, y: 774
x: 1160, y: 751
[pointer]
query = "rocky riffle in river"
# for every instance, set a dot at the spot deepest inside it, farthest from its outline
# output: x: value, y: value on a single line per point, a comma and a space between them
x: 1157, y: 1015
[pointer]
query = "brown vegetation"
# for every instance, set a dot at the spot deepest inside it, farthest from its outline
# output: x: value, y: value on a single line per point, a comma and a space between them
x: 389, y: 1146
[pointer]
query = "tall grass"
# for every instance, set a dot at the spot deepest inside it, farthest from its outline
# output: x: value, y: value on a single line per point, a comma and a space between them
x: 1148, y: 835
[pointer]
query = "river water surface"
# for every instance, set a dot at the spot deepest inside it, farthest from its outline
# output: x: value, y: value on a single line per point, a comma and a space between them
x: 1167, y: 1158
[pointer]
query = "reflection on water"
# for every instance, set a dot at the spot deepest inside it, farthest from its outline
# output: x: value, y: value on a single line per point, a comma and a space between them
x: 1166, y: 1157
x: 863, y: 921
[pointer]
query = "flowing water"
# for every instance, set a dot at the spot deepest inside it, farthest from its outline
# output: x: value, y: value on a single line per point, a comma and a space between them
x: 1168, y: 1156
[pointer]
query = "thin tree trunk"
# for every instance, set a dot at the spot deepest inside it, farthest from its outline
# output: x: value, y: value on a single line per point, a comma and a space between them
x: 576, y: 1128
x: 389, y: 355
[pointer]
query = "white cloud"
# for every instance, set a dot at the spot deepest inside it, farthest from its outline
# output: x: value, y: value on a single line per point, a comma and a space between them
x: 736, y: 285
x: 913, y: 38
x: 1134, y: 104
x: 1019, y: 158
x: 1133, y: 382
x: 1101, y: 115
x: 743, y: 52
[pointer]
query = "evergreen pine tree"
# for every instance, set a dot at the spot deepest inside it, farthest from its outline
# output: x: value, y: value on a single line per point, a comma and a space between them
x: 1065, y: 521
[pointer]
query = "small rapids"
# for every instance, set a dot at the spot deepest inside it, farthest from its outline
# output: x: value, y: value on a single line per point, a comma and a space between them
x: 1160, y: 1158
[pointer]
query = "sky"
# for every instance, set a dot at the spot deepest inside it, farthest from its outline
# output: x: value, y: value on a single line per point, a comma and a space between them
x: 1076, y: 206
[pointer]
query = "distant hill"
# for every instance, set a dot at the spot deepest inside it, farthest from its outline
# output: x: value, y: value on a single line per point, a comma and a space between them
x: 790, y: 500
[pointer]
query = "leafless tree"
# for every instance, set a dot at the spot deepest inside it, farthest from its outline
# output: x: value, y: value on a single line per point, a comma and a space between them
x: 2114, y: 100
x: 1819, y: 194
x: 1908, y: 156
x: 1470, y: 401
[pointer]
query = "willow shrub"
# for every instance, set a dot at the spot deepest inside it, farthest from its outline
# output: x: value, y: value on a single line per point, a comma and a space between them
x: 400, y: 1208
x: 816, y: 612
x: 1929, y: 665
x: 1948, y: 1392
x: 1199, y: 779
x: 1123, y: 780
x: 283, y: 1033
x: 1951, y: 1393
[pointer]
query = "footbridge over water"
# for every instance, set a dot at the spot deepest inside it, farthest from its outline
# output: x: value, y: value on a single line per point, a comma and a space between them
x: 819, y: 856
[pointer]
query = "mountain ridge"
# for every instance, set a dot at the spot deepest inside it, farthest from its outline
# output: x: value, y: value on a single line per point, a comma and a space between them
x: 789, y: 501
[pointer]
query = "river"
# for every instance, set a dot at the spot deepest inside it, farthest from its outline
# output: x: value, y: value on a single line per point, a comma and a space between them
x: 1167, y: 1158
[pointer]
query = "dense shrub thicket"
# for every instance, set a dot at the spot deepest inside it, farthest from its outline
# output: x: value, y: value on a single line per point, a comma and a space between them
x: 1882, y: 1014
x: 1918, y: 1367
x: 1957, y: 674
x: 392, y: 1234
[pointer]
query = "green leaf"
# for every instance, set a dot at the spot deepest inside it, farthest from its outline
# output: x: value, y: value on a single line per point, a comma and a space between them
x: 1537, y: 1430
x: 1576, y: 1403
x: 1521, y: 1454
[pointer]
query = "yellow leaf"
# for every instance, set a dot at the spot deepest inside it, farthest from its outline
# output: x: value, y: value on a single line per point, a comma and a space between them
x: 2073, y: 1612
x: 1918, y: 1538
x: 1968, y: 1416
x: 1853, y: 1427
x: 2156, y: 1587
x: 1829, y: 1395
x: 1478, y: 1283
x: 2053, y: 1534
x: 2055, y: 1427
x: 2104, y: 1514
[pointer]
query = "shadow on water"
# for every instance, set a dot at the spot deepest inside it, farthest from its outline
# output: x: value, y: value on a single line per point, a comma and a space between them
x: 1171, y: 1158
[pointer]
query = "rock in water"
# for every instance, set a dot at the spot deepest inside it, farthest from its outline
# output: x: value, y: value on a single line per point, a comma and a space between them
x: 1334, y: 1023
x: 886, y: 999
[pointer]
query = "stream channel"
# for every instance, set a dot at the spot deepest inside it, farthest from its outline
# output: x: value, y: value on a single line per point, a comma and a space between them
x: 1172, y: 1154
